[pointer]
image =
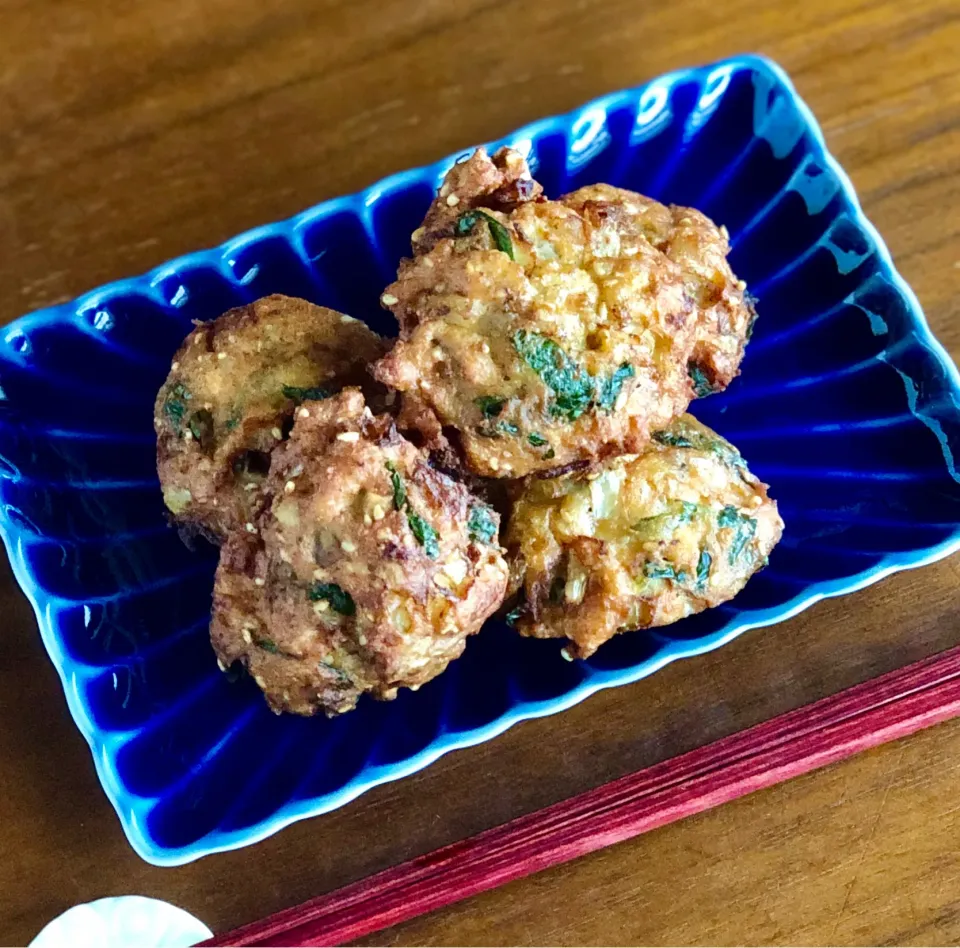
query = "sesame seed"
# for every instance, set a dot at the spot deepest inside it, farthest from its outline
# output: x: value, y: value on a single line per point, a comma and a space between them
x: 284, y: 555
x: 259, y: 581
x: 349, y: 436
x: 485, y: 348
x: 388, y: 299
x: 221, y: 666
x: 566, y: 655
x: 438, y: 354
x: 378, y: 513
x: 175, y: 366
x: 347, y: 319
x: 247, y: 637
x: 208, y: 406
x: 361, y: 639
x: 277, y: 433
x: 303, y: 413
x: 724, y: 232
x: 188, y: 435
x: 427, y: 262
x: 289, y: 487
x: 221, y: 355
x: 367, y: 520
x: 231, y: 338
x: 348, y: 546
x: 414, y: 687
x: 249, y: 527
x: 318, y: 574
x: 260, y: 682
x: 741, y: 284
x: 494, y: 464
x: 452, y: 200
x: 418, y: 233
x: 321, y: 606
x: 247, y: 487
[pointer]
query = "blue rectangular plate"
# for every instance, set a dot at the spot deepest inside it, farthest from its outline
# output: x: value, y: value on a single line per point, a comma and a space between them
x: 847, y: 406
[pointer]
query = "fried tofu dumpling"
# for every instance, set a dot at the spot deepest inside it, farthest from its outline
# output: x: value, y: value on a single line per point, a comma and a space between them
x: 230, y: 396
x: 366, y: 571
x: 639, y: 541
x: 535, y: 334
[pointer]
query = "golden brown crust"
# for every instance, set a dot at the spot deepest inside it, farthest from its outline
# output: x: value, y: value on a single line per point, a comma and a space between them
x: 367, y: 571
x: 639, y: 541
x: 501, y: 182
x: 223, y: 409
x: 535, y: 334
x: 699, y: 247
x: 574, y: 349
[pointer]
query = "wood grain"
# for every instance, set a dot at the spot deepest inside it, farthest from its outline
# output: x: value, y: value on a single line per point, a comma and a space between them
x: 834, y: 728
x: 130, y: 133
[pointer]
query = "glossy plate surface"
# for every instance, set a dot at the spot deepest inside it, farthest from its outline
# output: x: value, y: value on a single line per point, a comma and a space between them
x: 847, y: 407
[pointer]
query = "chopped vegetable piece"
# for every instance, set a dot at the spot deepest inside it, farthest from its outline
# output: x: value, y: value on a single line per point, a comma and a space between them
x: 399, y: 490
x: 702, y: 386
x: 340, y: 600
x: 703, y: 569
x: 609, y: 389
x: 201, y: 427
x: 538, y: 441
x: 426, y: 536
x: 490, y: 405
x: 663, y: 571
x: 572, y: 385
x: 315, y: 394
x: 745, y: 528
x: 501, y: 236
x: 480, y: 524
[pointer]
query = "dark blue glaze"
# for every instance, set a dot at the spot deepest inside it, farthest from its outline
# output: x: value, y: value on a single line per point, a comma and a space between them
x: 847, y: 406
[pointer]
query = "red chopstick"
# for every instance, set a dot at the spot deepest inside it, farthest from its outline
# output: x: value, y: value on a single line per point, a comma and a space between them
x: 883, y: 709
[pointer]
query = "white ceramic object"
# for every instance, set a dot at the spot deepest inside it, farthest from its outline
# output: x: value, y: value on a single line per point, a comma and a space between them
x: 130, y: 921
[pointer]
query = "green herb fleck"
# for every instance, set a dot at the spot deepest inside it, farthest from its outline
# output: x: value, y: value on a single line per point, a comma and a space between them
x: 609, y: 389
x: 268, y: 645
x: 668, y: 519
x: 663, y: 571
x: 490, y: 405
x: 500, y: 428
x: 399, y: 490
x: 201, y: 427
x: 481, y: 525
x: 702, y: 386
x: 501, y: 236
x: 174, y: 407
x: 515, y: 613
x: 672, y: 439
x: 572, y: 385
x: 550, y: 455
x: 231, y: 423
x: 744, y: 526
x: 426, y: 536
x: 703, y: 569
x: 314, y: 394
x: 340, y: 600
x: 538, y: 441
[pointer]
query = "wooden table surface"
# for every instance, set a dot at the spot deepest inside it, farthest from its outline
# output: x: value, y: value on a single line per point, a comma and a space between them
x: 132, y: 132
